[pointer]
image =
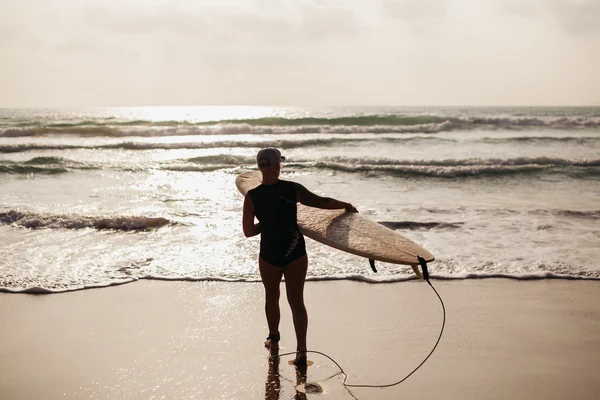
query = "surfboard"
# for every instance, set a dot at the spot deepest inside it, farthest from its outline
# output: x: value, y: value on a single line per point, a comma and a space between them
x: 349, y: 231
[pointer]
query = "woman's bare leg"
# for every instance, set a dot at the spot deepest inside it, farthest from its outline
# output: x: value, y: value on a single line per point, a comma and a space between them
x: 271, y: 278
x: 295, y: 275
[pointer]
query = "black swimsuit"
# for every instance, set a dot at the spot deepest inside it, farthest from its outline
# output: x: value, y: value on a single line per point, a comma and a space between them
x: 275, y: 208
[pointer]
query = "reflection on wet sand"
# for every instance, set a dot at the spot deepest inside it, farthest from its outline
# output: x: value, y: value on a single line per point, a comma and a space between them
x: 273, y: 383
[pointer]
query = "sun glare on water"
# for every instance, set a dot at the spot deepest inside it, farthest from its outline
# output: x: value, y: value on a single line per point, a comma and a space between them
x: 197, y: 114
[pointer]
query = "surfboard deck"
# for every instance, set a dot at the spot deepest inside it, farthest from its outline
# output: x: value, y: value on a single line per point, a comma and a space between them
x: 349, y: 232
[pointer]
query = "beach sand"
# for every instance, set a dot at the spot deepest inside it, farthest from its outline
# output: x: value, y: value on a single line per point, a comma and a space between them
x: 203, y: 340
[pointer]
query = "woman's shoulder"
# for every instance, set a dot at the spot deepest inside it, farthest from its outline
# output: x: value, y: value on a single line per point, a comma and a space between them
x: 287, y: 183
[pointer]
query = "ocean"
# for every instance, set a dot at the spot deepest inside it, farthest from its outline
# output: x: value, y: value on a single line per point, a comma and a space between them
x: 97, y: 197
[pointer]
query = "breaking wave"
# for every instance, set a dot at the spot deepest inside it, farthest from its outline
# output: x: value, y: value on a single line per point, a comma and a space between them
x: 415, y: 225
x: 119, y: 223
x: 519, y: 161
x: 461, y: 168
x: 453, y: 168
x: 450, y: 168
x: 540, y: 161
x: 42, y: 165
x: 30, y: 169
x: 286, y: 143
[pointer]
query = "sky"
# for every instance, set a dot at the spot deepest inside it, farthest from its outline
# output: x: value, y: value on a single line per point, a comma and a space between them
x: 71, y: 53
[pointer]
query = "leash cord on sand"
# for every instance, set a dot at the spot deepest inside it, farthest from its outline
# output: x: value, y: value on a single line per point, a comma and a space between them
x: 347, y: 385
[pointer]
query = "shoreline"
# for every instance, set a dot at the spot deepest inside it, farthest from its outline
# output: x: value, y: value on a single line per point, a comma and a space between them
x: 180, y: 340
x: 357, y: 278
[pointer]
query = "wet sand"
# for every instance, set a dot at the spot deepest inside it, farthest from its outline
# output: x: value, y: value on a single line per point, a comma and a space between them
x: 203, y: 340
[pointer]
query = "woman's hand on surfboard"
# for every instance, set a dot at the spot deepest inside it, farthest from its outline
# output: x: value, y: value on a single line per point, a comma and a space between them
x: 350, y: 208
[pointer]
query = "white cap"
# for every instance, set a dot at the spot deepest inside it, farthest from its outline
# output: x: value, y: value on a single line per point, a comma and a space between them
x: 269, y: 156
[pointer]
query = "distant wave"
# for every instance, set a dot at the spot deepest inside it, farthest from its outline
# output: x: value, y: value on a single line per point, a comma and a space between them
x: 587, y: 214
x: 208, y: 163
x: 460, y: 168
x: 518, y: 161
x: 30, y: 169
x: 364, y: 120
x: 195, y: 168
x: 451, y: 168
x: 593, y: 214
x: 544, y: 139
x: 291, y: 144
x: 224, y: 159
x: 366, y: 161
x: 373, y: 279
x: 228, y: 128
x: 278, y: 125
x: 521, y: 122
x: 434, y: 171
x: 414, y: 225
x: 42, y: 165
x: 118, y: 223
x: 283, y: 144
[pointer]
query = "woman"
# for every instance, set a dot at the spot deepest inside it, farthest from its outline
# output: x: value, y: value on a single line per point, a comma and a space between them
x: 282, y: 249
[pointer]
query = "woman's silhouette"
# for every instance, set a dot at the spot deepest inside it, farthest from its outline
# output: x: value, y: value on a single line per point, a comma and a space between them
x: 282, y: 249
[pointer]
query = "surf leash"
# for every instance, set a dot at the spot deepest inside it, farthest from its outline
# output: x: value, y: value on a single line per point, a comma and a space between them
x: 423, y: 264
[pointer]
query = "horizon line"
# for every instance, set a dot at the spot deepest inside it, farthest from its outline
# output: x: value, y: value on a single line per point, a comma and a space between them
x: 301, y: 106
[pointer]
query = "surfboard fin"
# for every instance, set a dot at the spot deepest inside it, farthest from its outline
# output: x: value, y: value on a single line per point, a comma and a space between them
x: 415, y: 268
x: 372, y: 262
x: 423, y: 264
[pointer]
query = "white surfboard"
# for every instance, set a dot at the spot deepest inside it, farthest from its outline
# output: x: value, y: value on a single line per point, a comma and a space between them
x: 350, y: 232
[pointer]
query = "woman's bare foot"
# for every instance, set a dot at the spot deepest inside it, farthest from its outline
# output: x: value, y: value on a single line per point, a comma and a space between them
x: 271, y: 345
x: 272, y: 342
x: 300, y: 359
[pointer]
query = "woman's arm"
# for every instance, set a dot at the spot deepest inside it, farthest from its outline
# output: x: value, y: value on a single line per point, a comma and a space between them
x: 250, y: 228
x: 310, y: 199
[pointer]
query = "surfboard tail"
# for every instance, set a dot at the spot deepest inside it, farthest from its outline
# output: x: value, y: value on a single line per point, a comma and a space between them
x: 423, y: 264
